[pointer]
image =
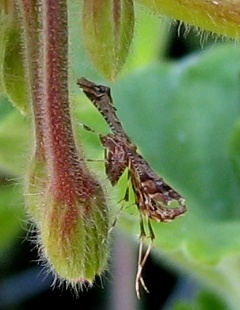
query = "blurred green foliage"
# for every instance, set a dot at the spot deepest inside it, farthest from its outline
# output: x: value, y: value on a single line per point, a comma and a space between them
x: 205, y: 300
x: 184, y: 116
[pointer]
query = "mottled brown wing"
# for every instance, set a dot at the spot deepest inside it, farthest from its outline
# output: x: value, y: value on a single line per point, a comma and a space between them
x: 116, y: 160
x: 152, y: 194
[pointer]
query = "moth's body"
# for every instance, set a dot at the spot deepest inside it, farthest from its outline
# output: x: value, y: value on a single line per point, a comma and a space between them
x: 152, y: 195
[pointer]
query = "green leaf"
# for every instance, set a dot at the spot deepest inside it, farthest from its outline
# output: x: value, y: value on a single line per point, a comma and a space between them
x: 179, y: 109
x: 15, y: 86
x: 206, y: 300
x: 12, y: 75
x: 14, y: 141
x: 107, y: 33
x: 5, y: 108
x: 7, y: 22
x: 234, y: 148
x: 11, y: 214
x: 220, y: 17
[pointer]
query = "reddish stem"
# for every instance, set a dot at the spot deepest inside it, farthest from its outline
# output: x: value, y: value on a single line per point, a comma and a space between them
x: 31, y: 26
x: 67, y: 171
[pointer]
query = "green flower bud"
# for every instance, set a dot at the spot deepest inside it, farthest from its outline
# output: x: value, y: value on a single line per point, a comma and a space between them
x: 65, y: 201
x: 107, y: 32
x: 35, y: 186
x: 74, y: 233
x: 12, y: 75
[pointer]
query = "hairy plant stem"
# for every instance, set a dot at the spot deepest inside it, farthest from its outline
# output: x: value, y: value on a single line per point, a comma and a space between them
x: 30, y: 16
x: 45, y: 36
x: 31, y: 25
x: 45, y: 30
x: 66, y: 168
x: 64, y: 199
x: 58, y: 129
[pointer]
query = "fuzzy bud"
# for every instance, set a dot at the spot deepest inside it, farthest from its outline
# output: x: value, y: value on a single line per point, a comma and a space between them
x: 107, y: 33
x: 35, y: 186
x: 73, y: 232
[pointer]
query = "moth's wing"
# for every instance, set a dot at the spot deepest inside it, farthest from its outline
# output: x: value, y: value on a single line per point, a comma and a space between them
x: 115, y: 164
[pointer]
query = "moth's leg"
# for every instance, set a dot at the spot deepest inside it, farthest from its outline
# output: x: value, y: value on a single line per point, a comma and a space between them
x: 151, y: 232
x: 126, y: 194
x: 87, y: 128
x: 116, y: 219
x: 142, y: 258
x: 123, y: 201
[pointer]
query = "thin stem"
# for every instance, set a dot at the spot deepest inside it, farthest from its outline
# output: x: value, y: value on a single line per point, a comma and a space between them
x: 55, y: 69
x: 30, y: 16
x: 66, y: 166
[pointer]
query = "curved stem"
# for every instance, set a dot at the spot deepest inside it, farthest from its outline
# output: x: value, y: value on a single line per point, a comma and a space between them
x: 31, y: 29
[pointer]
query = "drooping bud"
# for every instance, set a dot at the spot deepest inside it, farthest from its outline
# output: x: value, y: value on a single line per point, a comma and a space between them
x: 35, y: 186
x: 107, y: 33
x: 12, y: 75
x: 64, y: 199
x: 74, y: 231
